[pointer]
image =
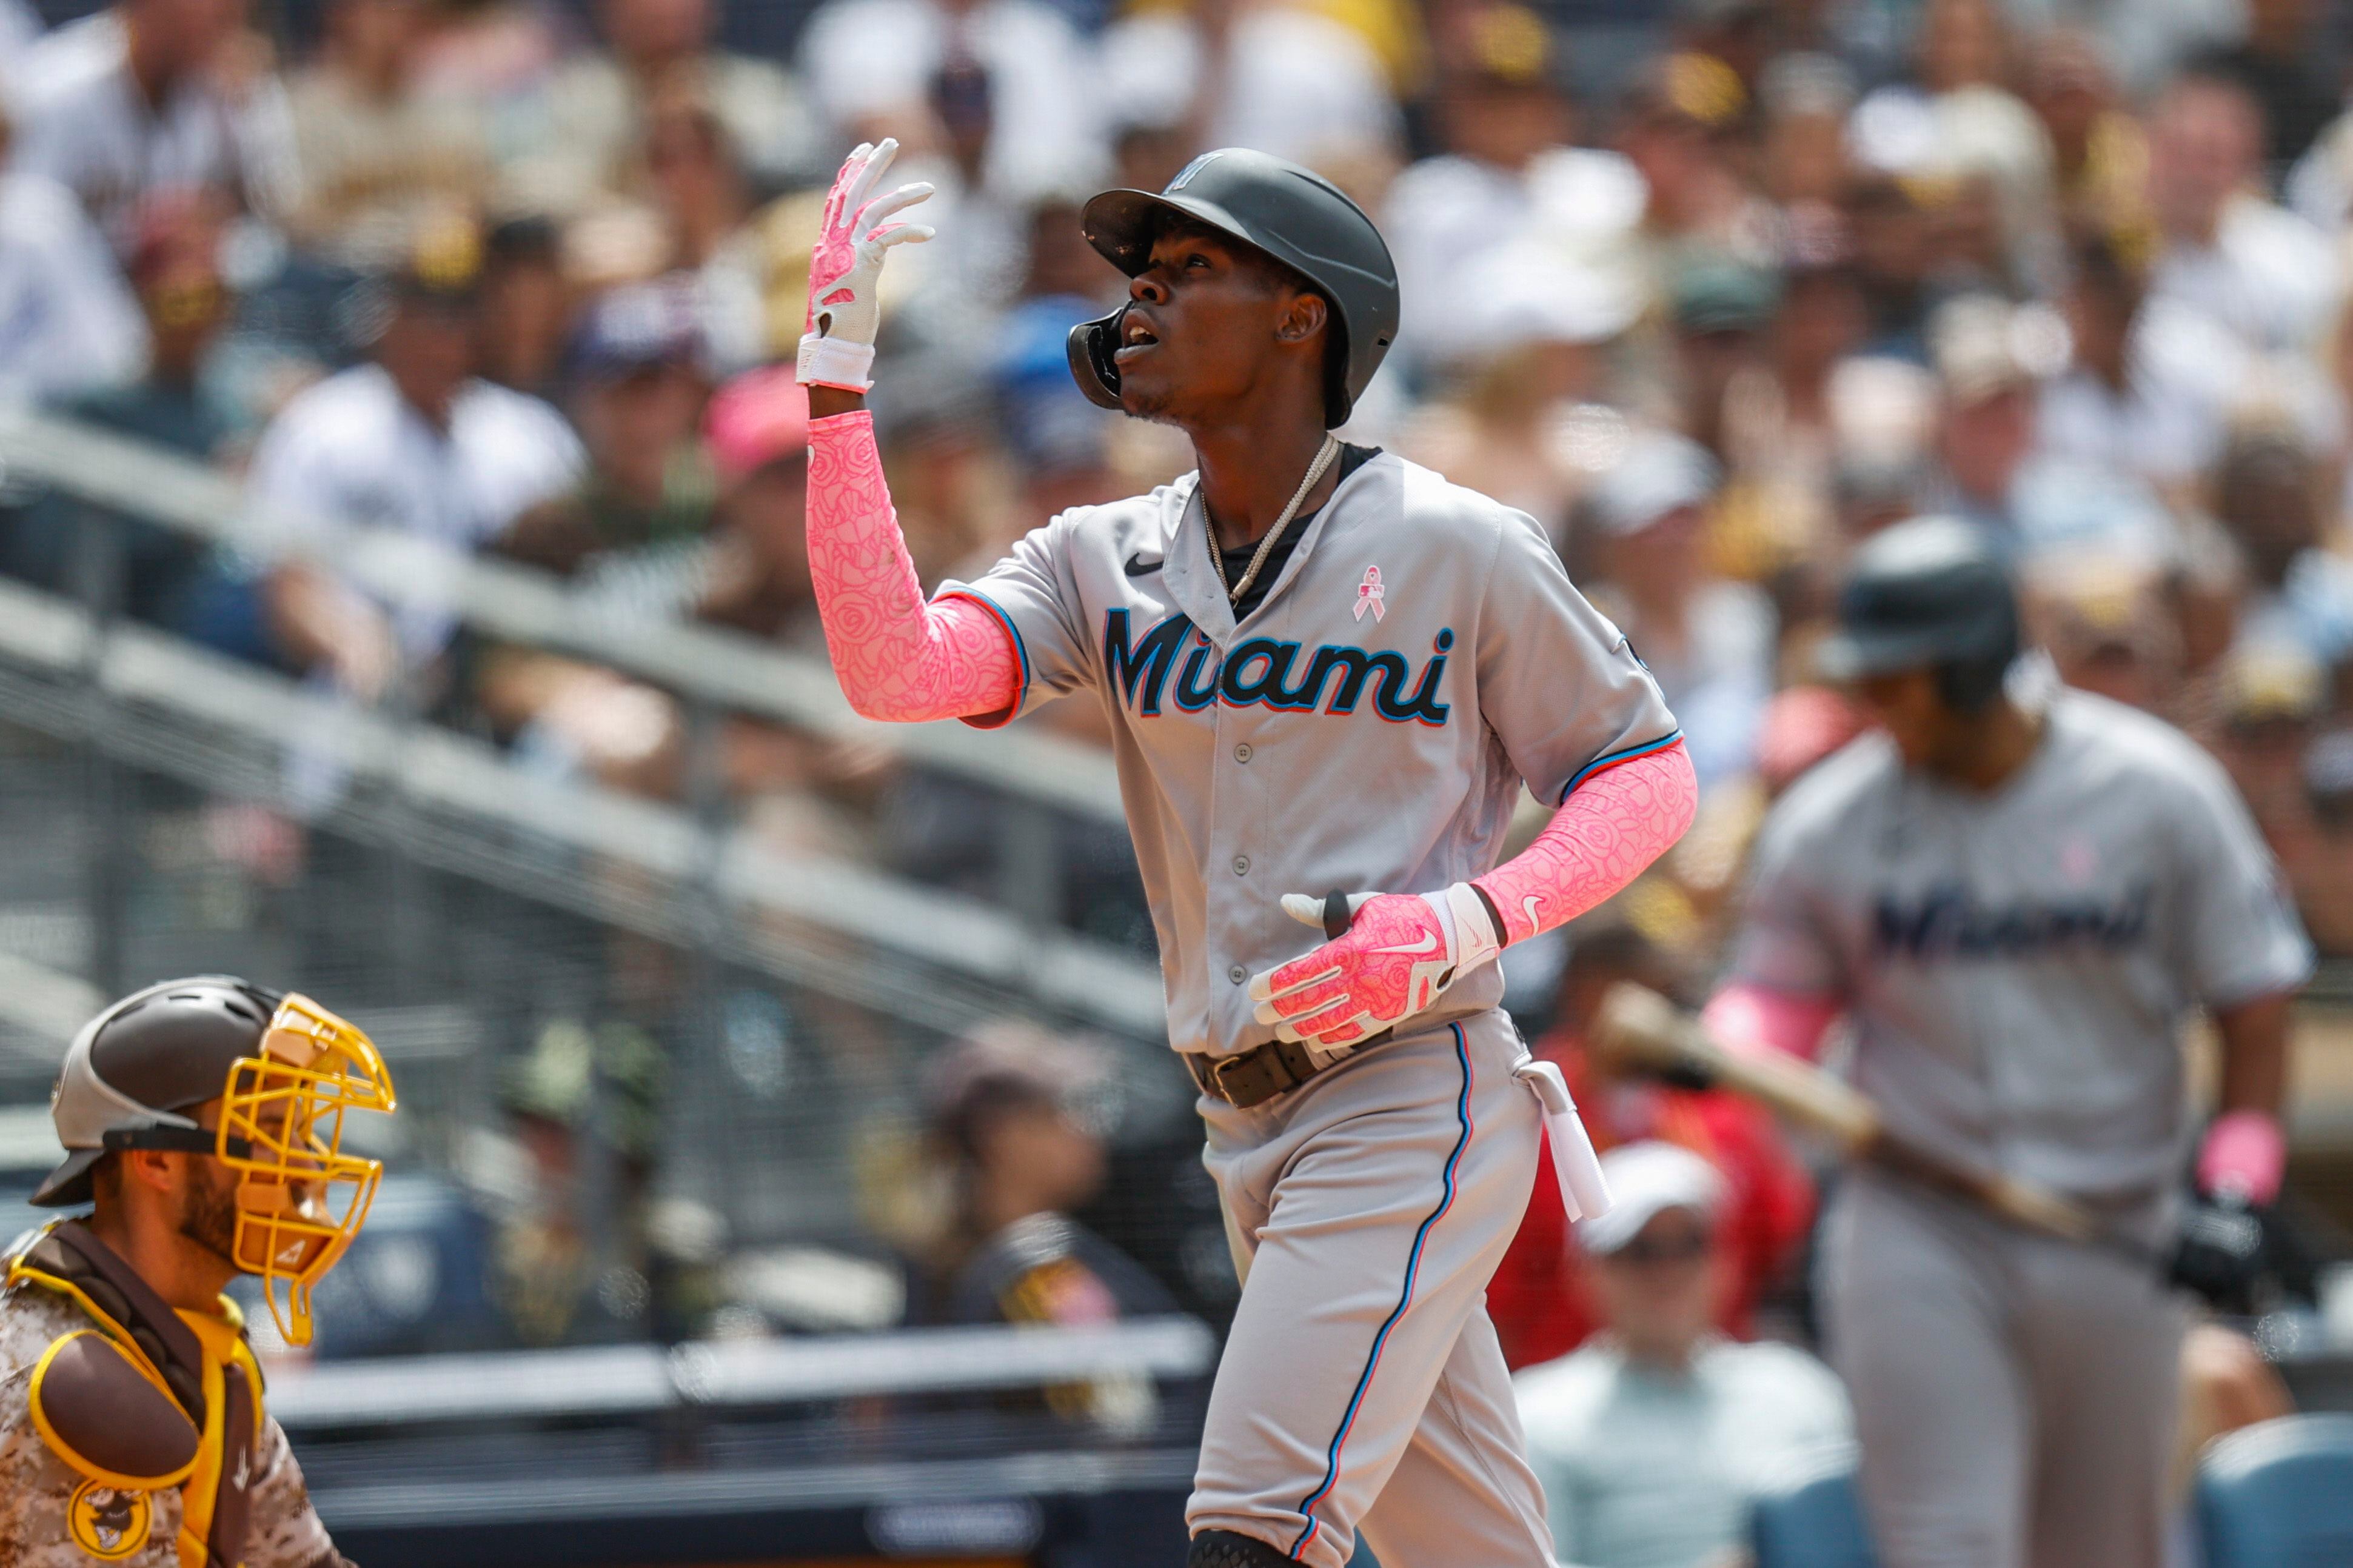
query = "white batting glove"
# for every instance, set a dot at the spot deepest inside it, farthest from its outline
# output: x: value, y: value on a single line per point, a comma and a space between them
x: 1400, y: 954
x: 838, y: 342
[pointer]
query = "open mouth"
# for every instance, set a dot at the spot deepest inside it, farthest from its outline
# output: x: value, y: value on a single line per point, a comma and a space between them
x: 1135, y: 338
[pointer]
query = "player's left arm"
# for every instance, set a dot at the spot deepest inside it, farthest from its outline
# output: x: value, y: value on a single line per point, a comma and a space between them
x: 2245, y: 954
x: 1584, y: 724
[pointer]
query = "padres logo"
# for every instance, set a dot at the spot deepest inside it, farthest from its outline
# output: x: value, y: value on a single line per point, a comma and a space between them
x: 108, y: 1523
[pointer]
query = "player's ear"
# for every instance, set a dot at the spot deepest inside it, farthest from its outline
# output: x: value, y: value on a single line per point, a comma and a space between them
x: 1302, y: 317
x: 157, y: 1170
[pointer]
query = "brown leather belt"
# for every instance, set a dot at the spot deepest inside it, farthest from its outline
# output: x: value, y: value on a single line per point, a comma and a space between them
x: 1251, y: 1078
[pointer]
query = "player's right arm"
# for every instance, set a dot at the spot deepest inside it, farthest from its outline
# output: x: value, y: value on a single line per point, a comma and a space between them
x: 898, y: 656
x: 1787, y: 985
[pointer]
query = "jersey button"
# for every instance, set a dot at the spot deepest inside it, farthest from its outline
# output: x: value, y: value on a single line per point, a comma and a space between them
x: 1242, y: 753
x: 1241, y: 864
x: 1238, y: 974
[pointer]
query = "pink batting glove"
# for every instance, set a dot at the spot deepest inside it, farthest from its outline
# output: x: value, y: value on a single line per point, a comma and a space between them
x: 2244, y: 1153
x: 846, y: 268
x: 1400, y: 953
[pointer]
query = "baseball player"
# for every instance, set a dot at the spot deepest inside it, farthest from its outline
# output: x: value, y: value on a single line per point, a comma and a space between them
x: 2015, y: 901
x: 203, y: 1118
x: 1325, y: 671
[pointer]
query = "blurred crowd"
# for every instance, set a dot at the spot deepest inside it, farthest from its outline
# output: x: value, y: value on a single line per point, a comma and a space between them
x: 1713, y: 288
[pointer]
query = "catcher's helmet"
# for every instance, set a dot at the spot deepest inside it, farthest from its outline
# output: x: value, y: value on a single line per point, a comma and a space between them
x: 284, y: 1070
x: 1927, y: 593
x: 1296, y: 216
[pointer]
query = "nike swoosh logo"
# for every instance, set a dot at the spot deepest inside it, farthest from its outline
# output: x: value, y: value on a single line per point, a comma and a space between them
x: 1137, y: 565
x: 1428, y: 943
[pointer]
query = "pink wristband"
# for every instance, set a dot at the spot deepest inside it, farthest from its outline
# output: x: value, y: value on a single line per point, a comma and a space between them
x: 2245, y: 1152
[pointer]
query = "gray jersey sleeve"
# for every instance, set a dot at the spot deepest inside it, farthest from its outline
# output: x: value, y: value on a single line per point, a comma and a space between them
x: 2240, y: 938
x: 1034, y: 594
x: 1559, y: 684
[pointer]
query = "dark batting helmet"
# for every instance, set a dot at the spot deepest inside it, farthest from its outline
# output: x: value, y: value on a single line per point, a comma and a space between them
x: 1930, y: 593
x: 1296, y: 216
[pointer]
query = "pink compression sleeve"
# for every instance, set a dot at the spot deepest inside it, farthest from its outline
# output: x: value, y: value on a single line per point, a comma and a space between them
x: 1612, y: 825
x: 897, y: 657
x: 1754, y: 1020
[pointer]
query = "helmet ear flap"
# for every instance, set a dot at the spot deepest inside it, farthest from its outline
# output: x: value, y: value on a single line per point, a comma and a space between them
x: 1091, y: 344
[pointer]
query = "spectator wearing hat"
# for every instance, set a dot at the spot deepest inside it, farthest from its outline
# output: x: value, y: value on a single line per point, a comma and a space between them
x: 149, y: 98
x: 2269, y: 498
x: 1285, y: 79
x: 524, y: 307
x: 1018, y: 1118
x: 1709, y: 642
x: 1510, y: 178
x: 596, y: 111
x: 1991, y: 357
x: 757, y: 429
x: 136, y: 566
x: 633, y: 534
x: 872, y: 65
x: 411, y: 441
x: 1650, y: 1441
x: 1543, y: 1296
x: 378, y: 160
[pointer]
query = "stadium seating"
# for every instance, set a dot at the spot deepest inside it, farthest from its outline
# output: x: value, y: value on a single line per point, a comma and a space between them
x: 1816, y: 1522
x: 2279, y: 1495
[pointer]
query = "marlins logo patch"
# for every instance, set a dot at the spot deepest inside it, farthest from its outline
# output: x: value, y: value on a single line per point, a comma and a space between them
x: 107, y: 1522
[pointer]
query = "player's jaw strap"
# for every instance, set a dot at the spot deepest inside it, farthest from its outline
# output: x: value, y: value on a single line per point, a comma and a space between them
x: 179, y: 1139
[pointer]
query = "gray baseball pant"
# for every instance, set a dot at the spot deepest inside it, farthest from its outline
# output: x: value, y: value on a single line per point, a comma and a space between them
x: 2015, y: 1396
x: 1362, y: 1386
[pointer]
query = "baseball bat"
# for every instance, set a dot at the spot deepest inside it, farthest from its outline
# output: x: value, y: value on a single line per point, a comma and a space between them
x: 1638, y: 1028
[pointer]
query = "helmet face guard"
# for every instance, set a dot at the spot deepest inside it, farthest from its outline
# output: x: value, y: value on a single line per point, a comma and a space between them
x: 300, y: 1200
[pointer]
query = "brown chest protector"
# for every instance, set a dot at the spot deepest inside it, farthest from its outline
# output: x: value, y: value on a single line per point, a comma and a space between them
x: 69, y: 1258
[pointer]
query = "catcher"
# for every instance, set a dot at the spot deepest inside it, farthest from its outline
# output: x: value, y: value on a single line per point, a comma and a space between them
x: 204, y: 1120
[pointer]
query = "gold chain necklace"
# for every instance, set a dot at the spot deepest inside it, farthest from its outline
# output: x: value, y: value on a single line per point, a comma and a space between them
x: 1324, y: 456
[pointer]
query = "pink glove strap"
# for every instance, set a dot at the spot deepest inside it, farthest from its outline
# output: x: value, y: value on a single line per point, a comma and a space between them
x: 1611, y: 826
x: 2246, y: 1152
x: 1752, y: 1019
x: 897, y: 657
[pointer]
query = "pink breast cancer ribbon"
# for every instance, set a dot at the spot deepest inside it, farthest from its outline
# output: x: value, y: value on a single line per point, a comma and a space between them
x: 1369, y: 594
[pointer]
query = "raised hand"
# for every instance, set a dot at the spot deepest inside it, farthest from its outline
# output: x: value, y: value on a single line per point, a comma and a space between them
x: 838, y: 340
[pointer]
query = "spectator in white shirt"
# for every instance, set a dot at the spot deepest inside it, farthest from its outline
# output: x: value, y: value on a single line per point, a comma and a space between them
x: 2258, y: 268
x: 151, y: 97
x: 1508, y: 177
x: 415, y: 442
x: 1652, y: 1438
x: 2153, y: 380
x: 1253, y: 73
x: 379, y: 158
x: 872, y: 65
x: 67, y: 321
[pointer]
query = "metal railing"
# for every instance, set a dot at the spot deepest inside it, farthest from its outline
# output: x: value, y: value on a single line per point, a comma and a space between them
x: 725, y: 669
x: 456, y: 803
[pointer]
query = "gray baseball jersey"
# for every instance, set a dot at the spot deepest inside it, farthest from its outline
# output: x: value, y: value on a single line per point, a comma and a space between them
x: 2017, y: 965
x: 1367, y: 727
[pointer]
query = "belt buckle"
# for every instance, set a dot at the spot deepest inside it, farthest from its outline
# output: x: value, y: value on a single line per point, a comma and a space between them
x: 1218, y: 1070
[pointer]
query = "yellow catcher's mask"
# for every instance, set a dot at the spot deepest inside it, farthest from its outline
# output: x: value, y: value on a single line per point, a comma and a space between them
x: 300, y: 1198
